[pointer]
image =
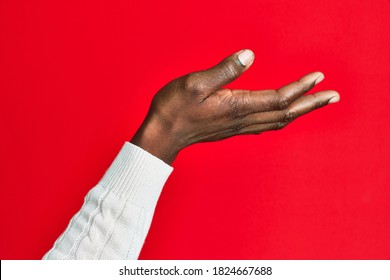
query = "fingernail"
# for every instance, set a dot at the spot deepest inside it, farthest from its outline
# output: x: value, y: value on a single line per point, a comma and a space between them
x: 246, y: 57
x: 319, y: 79
x: 334, y: 99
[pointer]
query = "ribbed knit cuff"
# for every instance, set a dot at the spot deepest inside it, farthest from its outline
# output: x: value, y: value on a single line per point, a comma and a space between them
x: 137, y: 175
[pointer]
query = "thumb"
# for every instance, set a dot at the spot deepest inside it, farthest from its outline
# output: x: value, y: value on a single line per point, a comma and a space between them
x: 223, y: 73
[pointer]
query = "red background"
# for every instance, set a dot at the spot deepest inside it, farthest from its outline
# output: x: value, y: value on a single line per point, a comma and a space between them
x: 76, y: 80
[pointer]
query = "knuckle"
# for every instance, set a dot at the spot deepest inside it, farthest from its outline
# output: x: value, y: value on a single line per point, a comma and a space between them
x: 193, y: 84
x: 234, y: 108
x: 317, y: 103
x: 272, y: 103
x: 236, y: 128
x: 229, y: 70
x: 280, y: 125
x: 190, y: 83
x: 282, y: 102
x: 304, y: 85
x: 289, y: 116
x: 301, y: 86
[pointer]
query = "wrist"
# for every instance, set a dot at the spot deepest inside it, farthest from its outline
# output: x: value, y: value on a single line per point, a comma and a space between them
x: 157, y: 138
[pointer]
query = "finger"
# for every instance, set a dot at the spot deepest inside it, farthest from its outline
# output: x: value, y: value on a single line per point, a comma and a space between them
x: 294, y: 90
x: 271, y: 100
x: 311, y: 102
x: 259, y: 128
x: 301, y: 106
x: 266, y: 117
x: 243, y: 129
x: 208, y: 81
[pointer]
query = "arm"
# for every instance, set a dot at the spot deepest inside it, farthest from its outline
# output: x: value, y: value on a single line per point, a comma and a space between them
x: 117, y: 213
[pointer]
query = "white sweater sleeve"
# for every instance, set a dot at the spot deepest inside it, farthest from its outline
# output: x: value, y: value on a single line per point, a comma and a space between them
x: 116, y: 215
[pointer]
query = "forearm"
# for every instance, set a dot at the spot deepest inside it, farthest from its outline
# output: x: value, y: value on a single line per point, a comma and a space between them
x: 116, y: 215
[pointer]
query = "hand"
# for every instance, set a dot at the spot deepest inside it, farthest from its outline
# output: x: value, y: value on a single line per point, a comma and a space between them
x: 194, y: 108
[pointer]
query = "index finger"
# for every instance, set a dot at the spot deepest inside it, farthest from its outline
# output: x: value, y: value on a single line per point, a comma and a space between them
x: 271, y: 100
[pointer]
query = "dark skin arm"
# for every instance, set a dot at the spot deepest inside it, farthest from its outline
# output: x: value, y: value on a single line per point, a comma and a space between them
x: 194, y: 108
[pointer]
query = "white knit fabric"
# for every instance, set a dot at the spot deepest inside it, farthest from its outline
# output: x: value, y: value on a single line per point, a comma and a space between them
x: 116, y: 215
